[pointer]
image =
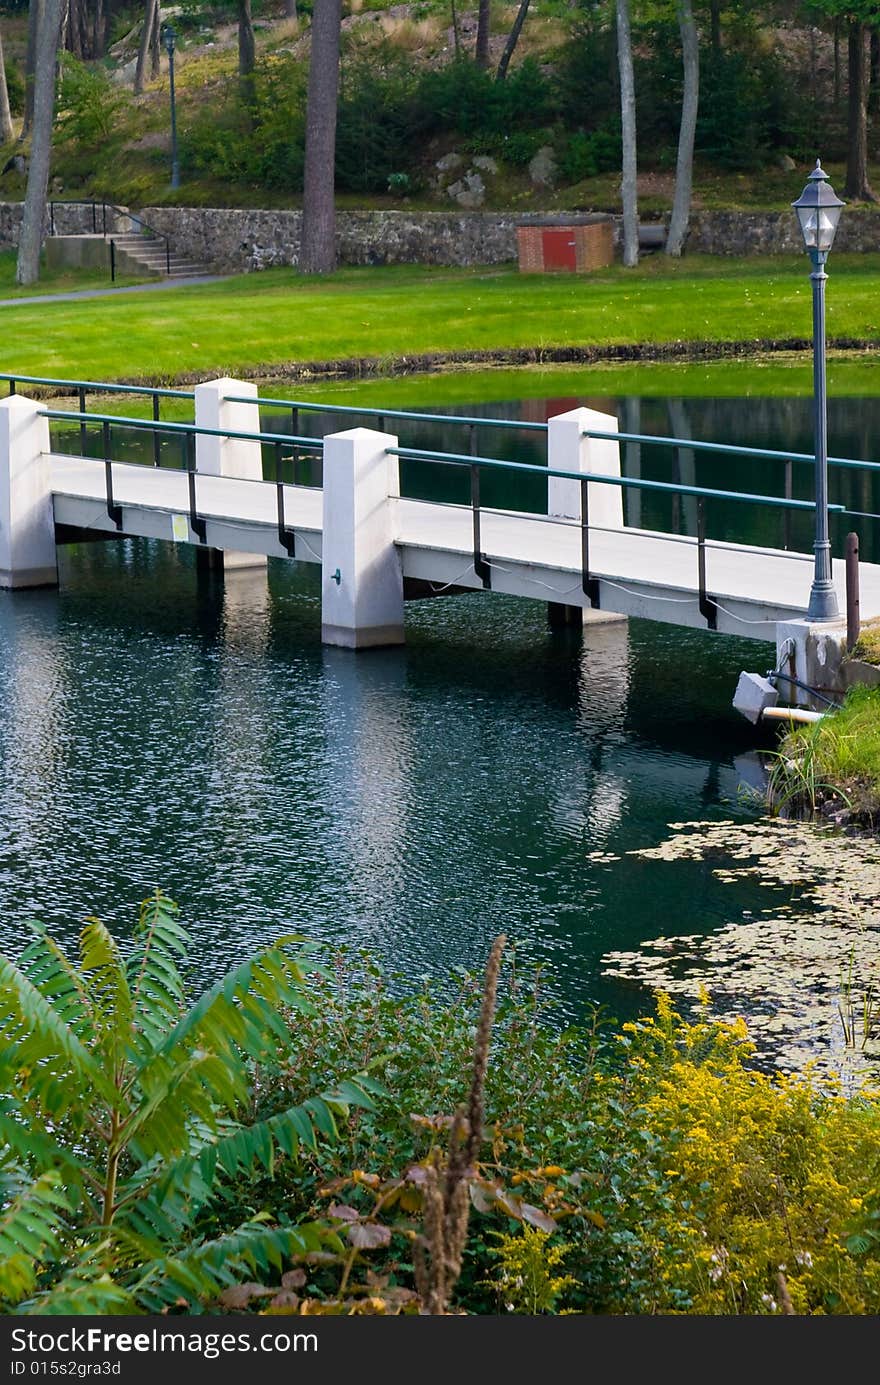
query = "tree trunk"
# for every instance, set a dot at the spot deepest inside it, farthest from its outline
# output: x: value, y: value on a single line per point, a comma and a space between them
x: 99, y: 29
x: 318, y: 246
x: 837, y: 60
x: 155, y: 45
x: 684, y: 167
x: 628, y: 186
x: 7, y: 132
x: 512, y: 40
x: 456, y: 32
x: 290, y: 9
x: 35, y: 13
x: 857, y: 186
x: 27, y: 269
x: 874, y: 72
x: 481, y: 52
x: 715, y: 26
x: 150, y: 18
x: 247, y: 53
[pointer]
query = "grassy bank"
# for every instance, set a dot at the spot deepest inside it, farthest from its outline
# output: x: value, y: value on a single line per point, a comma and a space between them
x: 406, y: 317
x: 833, y: 766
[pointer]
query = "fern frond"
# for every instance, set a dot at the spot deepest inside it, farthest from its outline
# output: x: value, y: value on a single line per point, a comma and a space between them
x: 29, y: 1225
x: 201, y: 1087
x: 47, y: 1050
x: 200, y: 1272
x: 55, y: 976
x: 75, y: 1295
x: 154, y: 978
x: 244, y: 1009
x: 108, y: 990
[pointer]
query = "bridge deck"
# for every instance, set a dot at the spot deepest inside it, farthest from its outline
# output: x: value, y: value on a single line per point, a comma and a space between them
x: 641, y: 573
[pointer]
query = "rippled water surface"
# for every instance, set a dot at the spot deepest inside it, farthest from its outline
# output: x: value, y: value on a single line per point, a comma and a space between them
x: 159, y: 729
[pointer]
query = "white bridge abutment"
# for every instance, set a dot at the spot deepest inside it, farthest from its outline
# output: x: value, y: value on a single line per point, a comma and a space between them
x: 568, y: 449
x: 27, y: 524
x: 361, y: 574
x: 229, y: 456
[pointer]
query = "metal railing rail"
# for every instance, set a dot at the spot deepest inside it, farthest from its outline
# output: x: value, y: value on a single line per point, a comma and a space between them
x: 83, y: 387
x: 733, y: 449
x: 381, y: 415
x: 471, y: 423
x: 112, y: 207
x: 590, y: 584
x: 93, y: 386
x: 297, y: 406
x: 188, y: 432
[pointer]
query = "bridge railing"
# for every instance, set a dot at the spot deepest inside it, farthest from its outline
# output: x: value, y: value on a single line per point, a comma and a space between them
x: 188, y: 433
x: 296, y: 445
x: 589, y: 582
x: 381, y: 417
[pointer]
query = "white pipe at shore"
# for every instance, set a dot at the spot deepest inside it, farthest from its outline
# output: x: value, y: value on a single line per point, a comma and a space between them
x: 799, y: 714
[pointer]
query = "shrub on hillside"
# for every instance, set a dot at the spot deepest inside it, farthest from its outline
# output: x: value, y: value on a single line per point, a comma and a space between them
x: 15, y: 87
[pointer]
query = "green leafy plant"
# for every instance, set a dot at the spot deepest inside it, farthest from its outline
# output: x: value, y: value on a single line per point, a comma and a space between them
x: 525, y: 1282
x: 127, y: 1119
x: 91, y: 109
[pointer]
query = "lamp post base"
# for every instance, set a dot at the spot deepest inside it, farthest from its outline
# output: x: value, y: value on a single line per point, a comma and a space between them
x: 823, y: 602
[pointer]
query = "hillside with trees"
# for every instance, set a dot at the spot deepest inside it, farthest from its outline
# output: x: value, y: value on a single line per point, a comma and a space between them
x: 525, y: 105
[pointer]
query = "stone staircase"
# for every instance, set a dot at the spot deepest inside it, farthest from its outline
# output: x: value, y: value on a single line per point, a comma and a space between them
x: 138, y: 254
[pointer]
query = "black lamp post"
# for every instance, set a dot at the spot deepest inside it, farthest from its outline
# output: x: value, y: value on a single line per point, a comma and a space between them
x: 818, y: 211
x: 168, y: 37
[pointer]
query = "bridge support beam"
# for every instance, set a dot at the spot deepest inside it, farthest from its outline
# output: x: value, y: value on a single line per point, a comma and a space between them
x: 361, y: 578
x: 27, y: 523
x: 569, y: 450
x: 241, y: 457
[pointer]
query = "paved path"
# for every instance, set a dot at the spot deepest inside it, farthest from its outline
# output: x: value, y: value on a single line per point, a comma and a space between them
x: 107, y: 293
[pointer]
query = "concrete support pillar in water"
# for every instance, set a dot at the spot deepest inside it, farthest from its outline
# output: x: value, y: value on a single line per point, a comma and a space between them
x: 361, y: 577
x: 225, y: 456
x: 569, y: 450
x: 27, y: 523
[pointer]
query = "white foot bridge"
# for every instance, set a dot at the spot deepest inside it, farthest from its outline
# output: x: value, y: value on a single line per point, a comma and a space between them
x: 376, y: 547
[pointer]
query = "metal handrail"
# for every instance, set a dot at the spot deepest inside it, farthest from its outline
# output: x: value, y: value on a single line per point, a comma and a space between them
x: 112, y: 206
x: 95, y: 385
x: 184, y: 429
x: 695, y: 444
x: 734, y: 449
x: 307, y: 406
x: 590, y: 584
x: 637, y: 482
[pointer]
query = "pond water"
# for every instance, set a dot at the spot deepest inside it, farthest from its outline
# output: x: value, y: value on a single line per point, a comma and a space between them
x: 160, y: 729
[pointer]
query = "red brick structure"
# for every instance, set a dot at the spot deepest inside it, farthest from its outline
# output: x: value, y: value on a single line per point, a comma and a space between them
x: 576, y: 244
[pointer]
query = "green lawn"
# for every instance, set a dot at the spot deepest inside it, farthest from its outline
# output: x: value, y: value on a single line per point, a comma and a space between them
x: 54, y: 281
x: 275, y: 321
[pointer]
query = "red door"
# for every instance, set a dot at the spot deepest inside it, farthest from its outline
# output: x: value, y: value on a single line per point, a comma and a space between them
x: 558, y: 244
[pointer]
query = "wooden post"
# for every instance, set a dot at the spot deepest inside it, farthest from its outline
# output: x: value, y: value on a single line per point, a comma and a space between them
x: 853, y: 621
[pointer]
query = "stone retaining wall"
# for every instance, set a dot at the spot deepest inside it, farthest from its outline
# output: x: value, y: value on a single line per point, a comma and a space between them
x: 246, y: 240
x: 230, y: 240
x: 776, y: 233
x: 70, y: 220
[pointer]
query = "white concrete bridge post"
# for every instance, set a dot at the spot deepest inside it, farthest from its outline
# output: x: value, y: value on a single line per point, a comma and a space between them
x: 361, y: 577
x: 27, y: 523
x: 224, y: 456
x: 569, y: 450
